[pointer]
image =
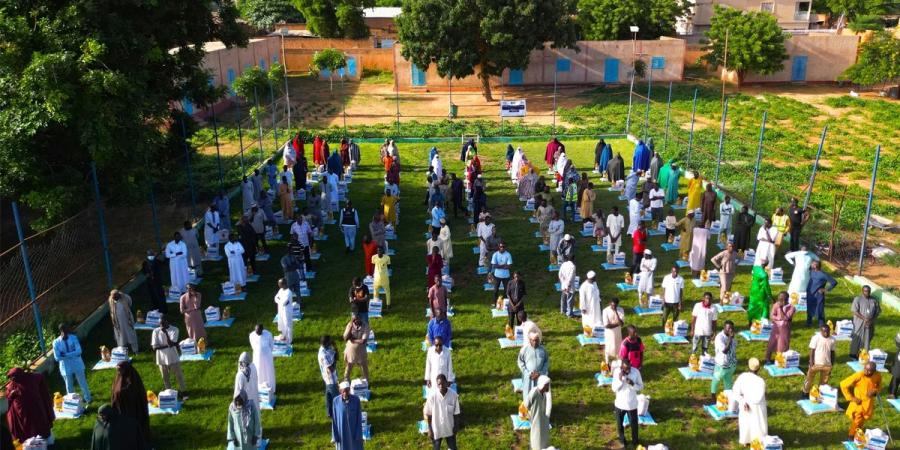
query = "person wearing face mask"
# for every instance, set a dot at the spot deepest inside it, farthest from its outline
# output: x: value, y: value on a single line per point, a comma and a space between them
x: 176, y: 253
x: 153, y: 280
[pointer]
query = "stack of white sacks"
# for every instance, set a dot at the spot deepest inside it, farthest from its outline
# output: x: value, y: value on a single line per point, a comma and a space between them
x: 643, y: 404
x: 876, y: 439
x: 681, y: 328
x: 843, y: 328
x: 168, y: 399
x: 772, y: 443
x: 119, y: 354
x: 360, y: 387
x: 266, y: 395
x: 213, y: 314
x: 777, y: 275
x: 72, y: 404
x: 375, y: 307
x: 188, y: 347
x: 619, y: 259
x: 655, y: 302
x: 879, y: 357
x: 707, y: 364
x: 791, y: 359
x: 153, y: 318
x: 35, y: 443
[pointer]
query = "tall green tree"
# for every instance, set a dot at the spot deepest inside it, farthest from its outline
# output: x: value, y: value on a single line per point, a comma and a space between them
x: 264, y: 14
x: 462, y: 36
x: 606, y: 20
x: 335, y: 18
x: 331, y: 60
x: 878, y: 61
x: 93, y: 80
x: 755, y: 42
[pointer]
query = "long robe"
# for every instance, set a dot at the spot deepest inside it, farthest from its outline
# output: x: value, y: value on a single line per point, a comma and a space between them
x: 765, y: 245
x: 191, y: 306
x: 552, y: 147
x: 862, y: 335
x: 742, y: 228
x: 655, y: 164
x: 318, y: 158
x: 286, y: 197
x: 532, y: 359
x: 525, y: 189
x: 615, y: 170
x: 671, y: 186
x: 285, y: 314
x: 698, y: 249
x: 631, y: 182
x: 247, y: 196
x: 243, y: 425
x: 123, y: 323
x: 30, y: 405
x: 708, y: 206
x: 641, y: 159
x: 662, y: 177
x: 262, y: 357
x: 686, y: 226
x: 447, y: 244
x: 760, y: 294
x: 587, y: 203
x: 248, y: 383
x: 516, y: 164
x: 194, y: 255
x: 178, y: 268
x: 801, y: 260
x: 539, y: 413
x: 589, y: 303
x: 605, y: 156
x: 858, y: 385
x: 695, y: 192
x: 780, y: 339
x: 212, y: 222
x: 369, y: 250
x: 634, y: 216
x: 346, y: 423
x: 612, y: 337
x: 438, y: 166
x: 355, y: 156
x: 750, y: 390
x: 237, y: 271
x: 116, y: 432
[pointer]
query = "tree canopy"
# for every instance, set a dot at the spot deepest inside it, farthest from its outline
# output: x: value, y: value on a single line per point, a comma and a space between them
x: 611, y: 19
x: 755, y: 42
x: 264, y: 14
x: 335, y: 18
x: 460, y: 36
x: 331, y: 60
x: 92, y: 80
x: 878, y: 62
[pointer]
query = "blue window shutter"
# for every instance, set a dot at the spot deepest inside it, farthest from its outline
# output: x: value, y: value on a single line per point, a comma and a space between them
x: 658, y: 62
x: 611, y: 70
x: 563, y: 64
x: 515, y: 77
x: 351, y: 66
x: 231, y: 77
x: 418, y: 76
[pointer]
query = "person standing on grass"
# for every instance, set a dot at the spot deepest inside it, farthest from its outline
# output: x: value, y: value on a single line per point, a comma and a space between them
x: 122, y: 320
x: 821, y: 359
x: 378, y: 230
x: 589, y: 302
x: 647, y: 269
x: 439, y: 327
x: 533, y: 362
x: 673, y: 287
x: 164, y: 342
x: 760, y: 296
x: 301, y: 171
x: 67, y: 352
x: 819, y: 283
x: 753, y: 416
x: 615, y: 224
x: 435, y: 265
x: 866, y: 310
x: 349, y: 226
x: 725, y: 359
x: 638, y: 245
x: 441, y: 414
x: 632, y: 348
x: 129, y: 398
x: 801, y: 260
x: 438, y: 296
x: 356, y: 333
x: 457, y: 194
x: 113, y: 431
x: 285, y: 311
x: 501, y: 261
x: 176, y: 253
x: 328, y: 369
x: 657, y: 200
x: 634, y: 214
x: 257, y: 219
x: 244, y: 427
x: 631, y: 182
x: 346, y: 422
x: 726, y: 263
x: 766, y: 244
x: 223, y: 207
x: 565, y: 250
x: 237, y: 270
x: 861, y: 389
x: 626, y: 384
x: 247, y: 239
x: 555, y: 229
x: 697, y: 257
x: 685, y: 227
x: 191, y: 306
x: 515, y: 292
x: 539, y: 403
x: 781, y: 317
x: 153, y: 279
x: 359, y: 300
x: 797, y: 219
x: 286, y: 196
x: 194, y: 254
x: 703, y: 323
x: 567, y: 289
x: 262, y: 343
x: 438, y: 363
x: 894, y: 388
x: 382, y: 279
x: 587, y: 200
x: 726, y: 212
x: 389, y: 206
x: 612, y: 320
x: 708, y: 206
x: 369, y: 248
x: 446, y: 242
x: 246, y: 379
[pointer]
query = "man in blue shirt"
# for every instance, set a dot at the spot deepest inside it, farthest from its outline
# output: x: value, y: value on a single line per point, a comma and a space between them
x: 67, y: 352
x: 437, y: 213
x: 440, y: 327
x: 819, y: 283
x: 500, y: 263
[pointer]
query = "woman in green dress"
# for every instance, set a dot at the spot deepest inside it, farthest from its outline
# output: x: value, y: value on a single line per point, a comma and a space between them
x: 760, y: 294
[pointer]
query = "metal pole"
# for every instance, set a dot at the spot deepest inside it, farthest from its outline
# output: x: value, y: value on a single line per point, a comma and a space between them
x: 862, y: 248
x: 668, y: 113
x: 812, y: 176
x: 630, y: 92
x: 218, y: 151
x: 26, y: 264
x: 502, y: 98
x: 155, y: 217
x: 241, y: 139
x: 647, y: 111
x: 102, y: 223
x: 555, y: 72
x: 691, y: 136
x: 187, y: 165
x: 721, y: 142
x: 274, y: 120
x: 759, y: 149
x: 396, y: 90
x: 287, y: 92
x: 258, y: 124
x: 725, y: 67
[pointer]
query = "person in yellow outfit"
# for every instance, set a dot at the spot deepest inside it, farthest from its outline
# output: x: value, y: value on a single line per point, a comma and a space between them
x: 695, y: 192
x: 381, y: 263
x: 860, y: 390
x: 781, y: 223
x: 389, y: 203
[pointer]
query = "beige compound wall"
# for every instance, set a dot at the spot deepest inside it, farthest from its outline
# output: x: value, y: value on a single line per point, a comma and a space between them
x: 827, y: 56
x: 587, y: 66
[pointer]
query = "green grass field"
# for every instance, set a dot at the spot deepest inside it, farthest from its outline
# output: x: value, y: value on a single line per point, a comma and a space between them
x: 582, y: 413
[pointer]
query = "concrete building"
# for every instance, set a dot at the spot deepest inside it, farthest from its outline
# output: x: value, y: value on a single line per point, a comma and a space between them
x: 382, y: 25
x: 791, y: 14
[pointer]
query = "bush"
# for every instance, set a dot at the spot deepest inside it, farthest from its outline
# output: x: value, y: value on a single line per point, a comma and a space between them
x: 845, y: 101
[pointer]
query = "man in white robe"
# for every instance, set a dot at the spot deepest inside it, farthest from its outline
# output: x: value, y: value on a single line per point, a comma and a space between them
x: 246, y: 381
x: 765, y: 244
x: 697, y: 257
x: 212, y: 222
x: 516, y: 165
x: 194, y: 254
x: 634, y: 214
x: 647, y: 269
x: 289, y: 174
x: 484, y: 231
x: 612, y: 319
x: 333, y: 191
x: 540, y: 403
x: 589, y: 301
x: 801, y: 260
x: 438, y: 166
x: 176, y: 253
x: 262, y: 343
x: 750, y: 391
x: 237, y: 271
x: 283, y: 298
x: 290, y: 157
x: 438, y: 361
x: 247, y: 195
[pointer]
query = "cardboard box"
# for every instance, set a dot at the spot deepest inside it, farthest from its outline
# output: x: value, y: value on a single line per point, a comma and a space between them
x: 188, y: 347
x: 153, y: 318
x: 228, y: 288
x: 212, y: 314
x: 119, y: 354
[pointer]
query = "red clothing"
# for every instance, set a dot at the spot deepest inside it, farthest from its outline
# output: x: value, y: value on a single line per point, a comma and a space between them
x: 297, y: 144
x: 369, y: 251
x: 345, y: 153
x: 638, y: 241
x: 552, y: 146
x: 317, y: 151
x: 435, y: 265
x: 30, y: 405
x: 633, y: 350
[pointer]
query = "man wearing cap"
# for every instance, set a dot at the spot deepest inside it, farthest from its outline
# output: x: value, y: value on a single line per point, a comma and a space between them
x: 589, y: 301
x: 565, y: 251
x: 539, y: 403
x: 346, y: 424
x: 441, y: 411
x: 750, y: 392
x: 533, y: 362
x: 626, y: 384
x: 566, y: 288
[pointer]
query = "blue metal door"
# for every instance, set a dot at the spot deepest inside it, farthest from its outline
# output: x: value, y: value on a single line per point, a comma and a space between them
x: 798, y: 69
x: 231, y: 78
x: 610, y: 70
x: 515, y: 77
x: 418, y: 76
x: 351, y: 66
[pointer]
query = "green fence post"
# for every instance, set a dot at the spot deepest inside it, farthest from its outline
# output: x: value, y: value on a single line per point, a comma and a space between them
x: 668, y: 113
x: 759, y: 149
x: 812, y: 176
x: 721, y: 141
x: 691, y: 136
x: 862, y: 247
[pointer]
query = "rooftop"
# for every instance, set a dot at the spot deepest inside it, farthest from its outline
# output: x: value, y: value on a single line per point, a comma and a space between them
x: 381, y: 12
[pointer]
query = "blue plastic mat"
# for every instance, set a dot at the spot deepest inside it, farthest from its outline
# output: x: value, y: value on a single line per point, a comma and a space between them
x: 641, y: 311
x: 509, y: 343
x: 221, y: 323
x: 239, y: 297
x: 780, y: 372
x: 746, y: 334
x: 102, y: 365
x: 665, y: 339
x: 646, y: 419
x: 601, y: 380
x: 719, y: 415
x: 205, y: 356
x: 689, y: 374
x: 586, y: 340
x: 154, y: 410
x: 608, y: 266
x: 703, y: 284
x: 626, y: 287
x: 809, y: 408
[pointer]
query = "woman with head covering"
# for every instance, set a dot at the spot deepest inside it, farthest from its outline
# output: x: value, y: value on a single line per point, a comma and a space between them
x: 129, y: 397
x: 122, y: 319
x: 244, y: 428
x: 246, y: 381
x: 113, y: 431
x: 30, y: 406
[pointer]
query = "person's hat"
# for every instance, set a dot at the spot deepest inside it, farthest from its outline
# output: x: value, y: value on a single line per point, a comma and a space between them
x: 591, y: 274
x: 647, y: 252
x: 344, y: 385
x: 567, y: 237
x: 479, y: 176
x: 690, y: 213
x: 542, y: 381
x: 753, y: 364
x: 443, y: 220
